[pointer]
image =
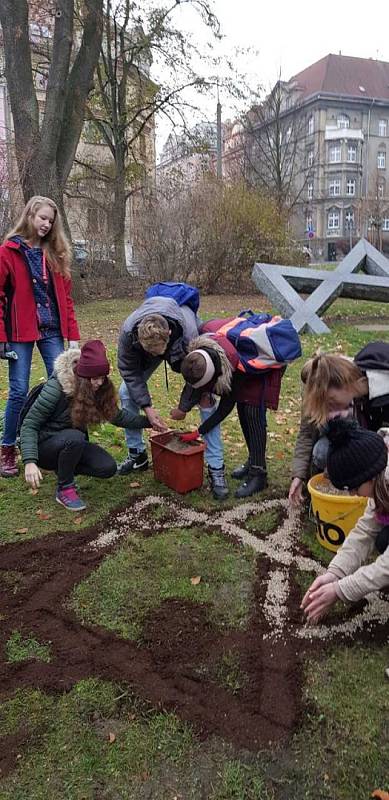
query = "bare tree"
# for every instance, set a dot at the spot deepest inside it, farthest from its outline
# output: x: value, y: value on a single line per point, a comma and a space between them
x: 46, y: 138
x: 273, y: 153
x: 125, y: 100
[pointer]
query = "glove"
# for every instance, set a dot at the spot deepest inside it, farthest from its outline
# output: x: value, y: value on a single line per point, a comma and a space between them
x: 3, y: 346
x: 73, y: 345
x: 189, y: 437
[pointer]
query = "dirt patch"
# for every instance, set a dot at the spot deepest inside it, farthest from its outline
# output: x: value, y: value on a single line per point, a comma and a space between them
x: 173, y: 669
x: 177, y: 445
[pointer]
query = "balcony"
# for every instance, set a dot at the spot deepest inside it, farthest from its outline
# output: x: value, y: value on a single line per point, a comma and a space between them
x: 332, y: 132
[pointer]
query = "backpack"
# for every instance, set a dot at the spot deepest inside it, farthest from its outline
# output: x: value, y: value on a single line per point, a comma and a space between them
x: 29, y: 401
x: 262, y: 341
x: 182, y: 293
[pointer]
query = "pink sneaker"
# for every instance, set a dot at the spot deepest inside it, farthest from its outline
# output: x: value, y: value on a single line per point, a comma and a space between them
x: 70, y: 499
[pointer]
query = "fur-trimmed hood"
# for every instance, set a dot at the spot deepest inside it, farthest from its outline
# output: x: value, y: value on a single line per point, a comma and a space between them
x: 64, y: 369
x: 213, y: 344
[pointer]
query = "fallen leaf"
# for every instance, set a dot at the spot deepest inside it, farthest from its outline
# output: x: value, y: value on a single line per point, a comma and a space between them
x: 77, y: 520
x: 42, y: 515
x: 33, y: 491
x: 380, y: 795
x: 22, y: 530
x: 111, y: 737
x: 134, y: 485
x: 196, y: 580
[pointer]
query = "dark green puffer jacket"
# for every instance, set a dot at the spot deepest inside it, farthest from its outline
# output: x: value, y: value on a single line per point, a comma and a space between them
x: 51, y: 411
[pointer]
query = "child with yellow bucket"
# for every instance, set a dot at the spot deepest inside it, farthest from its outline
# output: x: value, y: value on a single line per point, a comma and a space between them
x: 358, y: 461
x: 335, y: 385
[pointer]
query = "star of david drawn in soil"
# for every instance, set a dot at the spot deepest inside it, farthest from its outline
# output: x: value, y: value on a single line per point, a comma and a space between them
x: 167, y: 670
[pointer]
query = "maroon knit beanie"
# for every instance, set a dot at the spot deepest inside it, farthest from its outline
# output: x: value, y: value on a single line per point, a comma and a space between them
x: 93, y: 360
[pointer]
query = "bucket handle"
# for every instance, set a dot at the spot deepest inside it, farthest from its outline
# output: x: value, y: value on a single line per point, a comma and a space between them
x: 335, y: 519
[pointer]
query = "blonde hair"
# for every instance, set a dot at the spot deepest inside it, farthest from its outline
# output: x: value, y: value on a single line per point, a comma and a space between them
x: 153, y: 330
x: 322, y: 373
x: 55, y: 244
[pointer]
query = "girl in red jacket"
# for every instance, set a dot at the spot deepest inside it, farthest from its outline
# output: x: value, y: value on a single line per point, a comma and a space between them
x: 35, y: 307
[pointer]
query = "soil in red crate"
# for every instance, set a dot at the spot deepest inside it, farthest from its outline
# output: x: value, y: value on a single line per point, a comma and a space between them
x: 177, y: 445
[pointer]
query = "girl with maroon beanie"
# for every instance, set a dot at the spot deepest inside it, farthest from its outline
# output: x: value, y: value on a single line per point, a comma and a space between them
x: 54, y: 433
x: 35, y: 307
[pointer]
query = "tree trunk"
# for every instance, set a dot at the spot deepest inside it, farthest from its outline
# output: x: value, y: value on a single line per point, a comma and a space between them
x: 119, y: 208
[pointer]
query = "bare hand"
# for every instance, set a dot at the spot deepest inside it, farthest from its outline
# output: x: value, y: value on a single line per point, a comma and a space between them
x: 155, y: 420
x: 177, y: 414
x: 319, y: 598
x: 33, y: 475
x: 296, y: 492
x: 160, y: 426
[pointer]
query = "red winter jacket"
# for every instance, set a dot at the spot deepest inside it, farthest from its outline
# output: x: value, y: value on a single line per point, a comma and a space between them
x: 18, y: 317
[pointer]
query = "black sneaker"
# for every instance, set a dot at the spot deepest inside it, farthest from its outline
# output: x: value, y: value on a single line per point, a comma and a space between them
x: 135, y: 462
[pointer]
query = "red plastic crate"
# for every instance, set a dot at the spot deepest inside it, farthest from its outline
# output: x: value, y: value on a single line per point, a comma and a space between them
x: 181, y: 471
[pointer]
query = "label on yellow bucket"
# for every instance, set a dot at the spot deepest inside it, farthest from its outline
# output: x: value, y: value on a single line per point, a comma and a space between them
x: 335, y: 514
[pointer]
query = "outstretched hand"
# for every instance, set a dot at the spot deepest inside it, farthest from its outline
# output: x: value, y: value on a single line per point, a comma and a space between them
x: 296, y: 492
x: 319, y: 598
x: 177, y: 414
x: 33, y: 475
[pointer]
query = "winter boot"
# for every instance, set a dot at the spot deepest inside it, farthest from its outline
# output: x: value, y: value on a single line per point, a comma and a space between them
x: 241, y: 472
x: 8, y: 461
x: 256, y: 481
x: 218, y: 484
x: 135, y: 462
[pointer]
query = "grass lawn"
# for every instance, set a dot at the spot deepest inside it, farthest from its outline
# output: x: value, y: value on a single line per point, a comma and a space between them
x: 145, y: 670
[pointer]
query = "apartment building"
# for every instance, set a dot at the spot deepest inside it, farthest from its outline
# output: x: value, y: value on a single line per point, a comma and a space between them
x: 332, y: 130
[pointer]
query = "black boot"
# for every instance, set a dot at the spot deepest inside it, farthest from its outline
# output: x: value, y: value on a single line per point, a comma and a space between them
x: 241, y: 472
x: 218, y: 484
x: 135, y: 462
x: 256, y: 482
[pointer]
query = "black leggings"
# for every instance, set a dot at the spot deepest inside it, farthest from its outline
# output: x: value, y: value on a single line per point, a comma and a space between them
x: 253, y: 423
x: 68, y: 453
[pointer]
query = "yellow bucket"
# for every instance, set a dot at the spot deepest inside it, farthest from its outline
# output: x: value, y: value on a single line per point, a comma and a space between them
x: 335, y: 514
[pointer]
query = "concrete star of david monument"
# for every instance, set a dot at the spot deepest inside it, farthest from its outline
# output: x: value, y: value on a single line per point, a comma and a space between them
x: 362, y: 275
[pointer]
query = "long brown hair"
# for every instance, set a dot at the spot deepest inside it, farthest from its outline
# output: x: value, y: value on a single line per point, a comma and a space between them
x: 322, y: 373
x: 381, y: 493
x: 55, y: 243
x: 89, y: 407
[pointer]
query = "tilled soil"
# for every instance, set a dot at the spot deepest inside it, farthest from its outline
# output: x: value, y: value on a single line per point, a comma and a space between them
x: 171, y: 669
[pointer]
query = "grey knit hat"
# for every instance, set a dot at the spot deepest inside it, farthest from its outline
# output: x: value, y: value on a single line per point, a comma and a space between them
x: 355, y: 454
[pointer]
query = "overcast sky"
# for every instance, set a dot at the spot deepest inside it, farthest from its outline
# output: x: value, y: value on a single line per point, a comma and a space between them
x: 288, y: 36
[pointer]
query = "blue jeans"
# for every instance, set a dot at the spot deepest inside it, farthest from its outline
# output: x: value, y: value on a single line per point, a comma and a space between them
x: 134, y: 437
x: 135, y: 441
x: 19, y: 377
x: 214, y: 455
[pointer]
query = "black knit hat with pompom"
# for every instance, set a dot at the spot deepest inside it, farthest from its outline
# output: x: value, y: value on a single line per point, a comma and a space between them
x: 355, y: 455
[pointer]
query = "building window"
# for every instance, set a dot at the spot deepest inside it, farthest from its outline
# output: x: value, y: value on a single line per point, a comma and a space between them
x: 350, y: 187
x: 334, y: 188
x: 343, y: 121
x: 309, y: 223
x: 349, y: 218
x: 310, y: 190
x: 311, y: 127
x: 382, y: 127
x: 380, y: 190
x: 333, y: 220
x: 352, y: 153
x: 310, y: 158
x: 335, y: 153
x: 385, y: 224
x: 381, y: 159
